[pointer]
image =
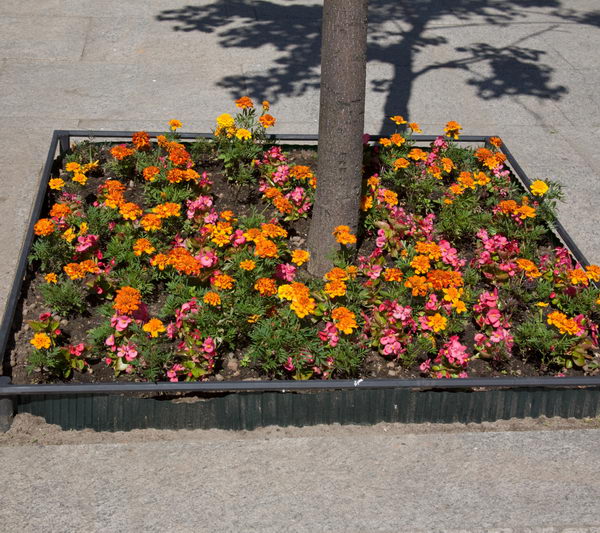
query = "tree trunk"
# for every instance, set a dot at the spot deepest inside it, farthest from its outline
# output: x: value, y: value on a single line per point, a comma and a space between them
x: 341, y: 127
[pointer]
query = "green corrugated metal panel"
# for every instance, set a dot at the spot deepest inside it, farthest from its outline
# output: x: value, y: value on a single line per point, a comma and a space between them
x: 251, y: 410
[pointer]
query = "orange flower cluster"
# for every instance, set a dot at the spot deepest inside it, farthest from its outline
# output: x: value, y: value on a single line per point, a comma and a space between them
x: 488, y: 158
x: 130, y: 210
x: 303, y: 173
x: 178, y: 155
x: 421, y: 264
x: 266, y: 286
x: 272, y: 231
x: 299, y: 294
x: 281, y: 203
x: 401, y: 163
x: 344, y: 320
x: 335, y: 288
x: 418, y: 284
x: 60, y: 211
x: 41, y: 341
x: 166, y: 210
x: 177, y: 175
x: 142, y: 246
x: 416, y: 154
x: 564, y: 324
x: 154, y: 326
x: 248, y: 265
x: 299, y: 257
x: 127, y: 300
x: 220, y: 233
x: 337, y: 274
x: 112, y: 192
x: 343, y: 236
x: 121, y: 151
x: 44, y: 227
x: 151, y: 222
x: 392, y: 274
x: 593, y: 273
x: 212, y: 298
x: 430, y: 249
x: 524, y: 211
x: 141, y: 140
x: 181, y: 260
x: 244, y: 103
x: 529, y: 268
x: 79, y: 171
x: 223, y: 281
x: 442, y: 279
x: 80, y: 270
x: 150, y: 173
x: 437, y: 322
x: 452, y: 129
x: 267, y: 121
x: 577, y: 276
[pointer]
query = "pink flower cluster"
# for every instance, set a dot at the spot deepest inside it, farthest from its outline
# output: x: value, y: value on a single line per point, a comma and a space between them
x: 450, y: 362
x: 392, y: 328
x: 494, y: 340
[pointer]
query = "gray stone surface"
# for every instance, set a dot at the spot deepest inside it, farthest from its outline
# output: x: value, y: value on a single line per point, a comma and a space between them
x: 367, y: 482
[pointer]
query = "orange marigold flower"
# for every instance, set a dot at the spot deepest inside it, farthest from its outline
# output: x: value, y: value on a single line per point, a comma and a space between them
x: 267, y: 121
x: 273, y: 230
x: 183, y: 261
x: 303, y: 305
x: 162, y: 141
x: 266, y: 286
x: 266, y: 105
x: 51, y: 278
x: 176, y: 175
x: 440, y: 279
x: 525, y: 211
x: 539, y: 188
x: 150, y: 173
x: 127, y: 300
x: 253, y: 234
x: 337, y: 273
x: 366, y: 202
x: 415, y: 127
x: 121, y: 151
x: 244, y: 102
x: 265, y: 248
x: 41, y: 341
x: 301, y: 172
x: 44, y: 227
x: 447, y: 164
x: 56, y: 184
x: 578, y: 277
x: 344, y: 320
x: 130, y: 211
x: 142, y: 246
x: 160, y: 261
x: 508, y: 207
x: 390, y: 197
x: 392, y: 274
x: 299, y: 257
x: 154, y: 326
x: 481, y: 178
x: 243, y: 134
x: 168, y: 209
x: 466, y: 180
x: 529, y: 267
x: 223, y: 281
x: 437, y: 322
x: 398, y: 119
x: 335, y: 288
x: 452, y: 129
x: 180, y: 157
x: 564, y: 324
x: 175, y: 124
x: 495, y: 141
x: 397, y: 139
x: 417, y: 154
x: 89, y: 266
x: 248, y: 265
x: 212, y: 298
x: 151, y: 222
x: 418, y: 284
x: 430, y: 249
x: 593, y: 272
x: 384, y: 141
x: 343, y: 235
x: 60, y: 211
x: 141, y: 140
x: 421, y: 264
x: 80, y: 178
x: 72, y: 166
x: 283, y: 205
x: 401, y: 163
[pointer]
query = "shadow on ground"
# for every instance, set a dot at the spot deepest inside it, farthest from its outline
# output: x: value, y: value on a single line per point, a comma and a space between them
x: 398, y: 32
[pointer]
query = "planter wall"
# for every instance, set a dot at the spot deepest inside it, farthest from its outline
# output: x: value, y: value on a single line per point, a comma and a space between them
x: 251, y: 404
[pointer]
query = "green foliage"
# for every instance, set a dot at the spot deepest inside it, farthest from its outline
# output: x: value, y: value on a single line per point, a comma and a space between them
x: 98, y: 219
x: 65, y: 298
x: 536, y: 338
x: 50, y: 362
x: 99, y: 334
x: 463, y: 218
x: 52, y: 253
x: 158, y: 193
x: 348, y: 357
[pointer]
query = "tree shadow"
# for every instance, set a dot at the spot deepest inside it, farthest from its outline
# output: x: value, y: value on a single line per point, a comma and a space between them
x: 398, y: 32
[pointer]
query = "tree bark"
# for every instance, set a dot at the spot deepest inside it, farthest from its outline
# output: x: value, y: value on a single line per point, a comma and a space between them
x: 341, y: 127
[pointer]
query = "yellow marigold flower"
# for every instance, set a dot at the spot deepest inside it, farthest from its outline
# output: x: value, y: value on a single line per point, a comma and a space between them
x: 44, y: 227
x: 417, y: 154
x: 252, y: 319
x: 373, y: 182
x: 578, y: 277
x: 437, y: 322
x: 293, y: 290
x: 421, y: 264
x: 335, y: 288
x: 352, y: 271
x: 337, y: 273
x: 390, y: 197
x: 248, y: 265
x: 273, y: 230
x: 418, y: 284
x: 243, y: 134
x: 168, y: 209
x: 130, y: 211
x: 447, y: 164
x: 74, y: 271
x: 366, y: 202
x: 398, y: 119
x: 51, y: 278
x: 223, y: 281
x: 344, y: 320
x: 142, y: 246
x: 127, y: 300
x: 151, y: 222
x: 466, y: 180
x: 392, y: 274
x: 384, y: 141
x: 401, y: 163
x: 92, y: 165
x: 83, y: 228
x: 73, y: 166
x: 541, y: 304
x: 175, y: 124
x: 253, y: 234
x: 225, y: 120
x: 69, y: 235
x: 154, y: 326
x: 266, y: 286
x: 299, y: 257
x: 267, y: 121
x: 160, y: 261
x: 212, y: 298
x: 481, y: 178
x: 415, y: 127
x: 302, y: 306
x: 56, y: 184
x: 397, y: 139
x: 525, y: 211
x: 343, y: 236
x: 452, y: 129
x: 593, y: 272
x: 244, y: 102
x: 539, y: 188
x: 41, y: 340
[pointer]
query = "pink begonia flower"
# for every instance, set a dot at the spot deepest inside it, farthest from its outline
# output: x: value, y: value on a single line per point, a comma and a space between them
x: 211, y: 217
x: 289, y: 364
x: 237, y: 238
x: 207, y: 258
x: 373, y: 271
x: 425, y: 366
x: 433, y: 303
x: 202, y: 203
x: 329, y: 334
x: 281, y: 175
x: 285, y: 272
x: 120, y: 322
x: 381, y: 238
x: 128, y: 351
x: 108, y: 361
x: 209, y: 345
x: 110, y: 342
x: 493, y: 317
x: 297, y: 195
x: 44, y: 316
x: 455, y: 352
x: 86, y: 241
x: 171, y: 330
x: 77, y: 349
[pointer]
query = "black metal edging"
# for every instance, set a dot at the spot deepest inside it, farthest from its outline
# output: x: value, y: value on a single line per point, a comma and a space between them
x: 62, y: 138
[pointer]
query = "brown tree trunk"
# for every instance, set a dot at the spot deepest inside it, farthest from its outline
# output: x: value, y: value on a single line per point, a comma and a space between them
x: 341, y: 125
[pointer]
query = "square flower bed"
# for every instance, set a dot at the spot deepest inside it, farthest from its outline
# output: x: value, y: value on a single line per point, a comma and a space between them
x: 163, y: 260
